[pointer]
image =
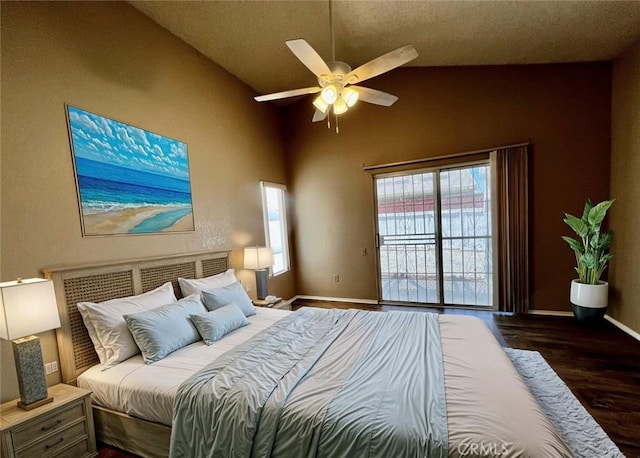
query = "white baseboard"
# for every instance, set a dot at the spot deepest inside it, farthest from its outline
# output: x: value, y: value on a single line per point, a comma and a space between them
x: 549, y: 313
x: 613, y: 321
x: 622, y: 327
x: 336, y: 299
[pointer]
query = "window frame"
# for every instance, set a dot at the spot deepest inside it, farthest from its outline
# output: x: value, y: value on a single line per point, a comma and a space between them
x: 437, y: 170
x: 284, y: 232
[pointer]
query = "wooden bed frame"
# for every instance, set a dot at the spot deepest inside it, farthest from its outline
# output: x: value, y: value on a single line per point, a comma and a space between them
x: 100, y: 282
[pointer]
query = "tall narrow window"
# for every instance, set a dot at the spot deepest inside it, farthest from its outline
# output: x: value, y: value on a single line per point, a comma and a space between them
x: 275, y: 224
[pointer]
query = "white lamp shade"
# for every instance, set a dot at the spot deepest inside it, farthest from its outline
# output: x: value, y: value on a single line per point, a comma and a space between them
x: 321, y: 105
x: 329, y: 93
x: 340, y: 107
x: 258, y: 258
x: 350, y: 96
x: 27, y: 307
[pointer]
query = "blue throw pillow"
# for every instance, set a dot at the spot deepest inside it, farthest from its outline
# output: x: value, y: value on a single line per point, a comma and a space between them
x: 165, y: 329
x: 214, y: 325
x: 219, y: 297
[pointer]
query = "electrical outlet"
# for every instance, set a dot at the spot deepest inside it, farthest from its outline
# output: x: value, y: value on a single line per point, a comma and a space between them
x: 336, y: 278
x: 363, y: 252
x: 50, y: 368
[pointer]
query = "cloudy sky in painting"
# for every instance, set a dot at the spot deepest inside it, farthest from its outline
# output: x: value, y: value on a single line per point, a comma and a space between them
x: 104, y: 140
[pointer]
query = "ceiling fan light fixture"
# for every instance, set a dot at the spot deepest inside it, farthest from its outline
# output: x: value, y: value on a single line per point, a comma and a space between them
x: 329, y: 93
x: 350, y: 96
x: 334, y: 77
x: 321, y: 105
x: 340, y: 107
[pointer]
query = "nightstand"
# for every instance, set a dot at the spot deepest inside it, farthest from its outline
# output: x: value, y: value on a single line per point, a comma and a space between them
x: 63, y: 428
x: 277, y: 304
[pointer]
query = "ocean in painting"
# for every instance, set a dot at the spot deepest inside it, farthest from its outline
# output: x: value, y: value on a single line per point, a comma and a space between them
x: 110, y: 187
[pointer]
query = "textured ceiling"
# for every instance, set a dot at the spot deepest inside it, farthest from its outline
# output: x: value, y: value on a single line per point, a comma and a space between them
x: 247, y: 38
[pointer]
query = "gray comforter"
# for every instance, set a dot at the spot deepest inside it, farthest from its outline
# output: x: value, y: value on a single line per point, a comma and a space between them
x: 327, y: 383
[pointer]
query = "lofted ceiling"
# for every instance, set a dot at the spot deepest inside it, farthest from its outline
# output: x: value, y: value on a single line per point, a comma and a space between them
x: 247, y: 38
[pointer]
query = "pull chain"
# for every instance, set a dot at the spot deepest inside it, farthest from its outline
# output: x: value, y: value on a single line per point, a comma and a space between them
x: 333, y: 56
x: 333, y: 38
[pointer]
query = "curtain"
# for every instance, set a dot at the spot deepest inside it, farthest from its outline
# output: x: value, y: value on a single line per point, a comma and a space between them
x: 510, y: 165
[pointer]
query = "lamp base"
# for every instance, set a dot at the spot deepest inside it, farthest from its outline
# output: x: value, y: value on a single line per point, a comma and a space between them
x: 35, y: 404
x: 32, y: 380
x: 262, y: 288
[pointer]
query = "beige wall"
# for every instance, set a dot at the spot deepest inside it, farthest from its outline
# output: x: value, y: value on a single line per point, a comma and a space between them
x: 110, y: 59
x: 564, y: 110
x: 625, y: 187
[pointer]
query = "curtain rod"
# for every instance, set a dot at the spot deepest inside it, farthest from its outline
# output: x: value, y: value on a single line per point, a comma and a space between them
x: 447, y: 156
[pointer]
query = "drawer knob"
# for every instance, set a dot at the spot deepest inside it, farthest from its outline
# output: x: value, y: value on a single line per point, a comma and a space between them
x: 46, y: 428
x: 53, y: 445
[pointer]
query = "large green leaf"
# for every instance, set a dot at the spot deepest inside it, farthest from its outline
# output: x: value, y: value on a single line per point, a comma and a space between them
x: 574, y: 244
x: 589, y: 260
x: 587, y: 208
x: 604, y: 241
x: 597, y: 213
x: 578, y: 226
x: 606, y: 258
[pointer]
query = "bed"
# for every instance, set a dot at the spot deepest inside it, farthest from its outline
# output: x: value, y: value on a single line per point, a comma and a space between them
x: 489, y: 410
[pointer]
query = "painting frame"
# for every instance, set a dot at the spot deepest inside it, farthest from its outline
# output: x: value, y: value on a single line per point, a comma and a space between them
x: 129, y: 180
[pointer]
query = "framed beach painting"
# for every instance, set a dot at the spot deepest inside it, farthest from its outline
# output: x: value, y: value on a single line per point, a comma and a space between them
x: 129, y: 180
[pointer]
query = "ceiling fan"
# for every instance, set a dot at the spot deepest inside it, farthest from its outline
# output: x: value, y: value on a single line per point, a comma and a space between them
x: 337, y: 82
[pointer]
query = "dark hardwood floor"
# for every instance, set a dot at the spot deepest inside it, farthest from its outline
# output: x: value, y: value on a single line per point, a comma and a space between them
x: 601, y: 364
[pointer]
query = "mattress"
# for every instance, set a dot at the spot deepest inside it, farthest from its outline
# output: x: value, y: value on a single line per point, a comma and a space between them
x: 147, y: 391
x: 490, y: 411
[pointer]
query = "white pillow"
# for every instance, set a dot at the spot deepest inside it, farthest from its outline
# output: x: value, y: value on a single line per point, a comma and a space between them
x: 102, y: 354
x: 108, y: 330
x: 195, y: 285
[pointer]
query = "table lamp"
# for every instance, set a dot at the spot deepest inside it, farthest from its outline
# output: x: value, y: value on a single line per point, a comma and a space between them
x: 28, y: 307
x: 259, y: 259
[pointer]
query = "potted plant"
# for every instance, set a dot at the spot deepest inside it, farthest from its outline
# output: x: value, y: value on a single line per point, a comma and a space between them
x: 589, y: 294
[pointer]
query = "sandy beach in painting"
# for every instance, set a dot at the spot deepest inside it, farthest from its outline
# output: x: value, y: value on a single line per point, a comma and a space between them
x: 126, y: 220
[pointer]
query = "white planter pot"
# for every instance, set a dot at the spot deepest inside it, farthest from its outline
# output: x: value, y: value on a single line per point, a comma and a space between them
x: 590, y: 296
x: 589, y: 301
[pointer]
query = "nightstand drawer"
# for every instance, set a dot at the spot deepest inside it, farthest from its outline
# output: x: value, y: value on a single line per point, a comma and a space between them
x: 48, y: 424
x: 81, y: 449
x: 55, y: 443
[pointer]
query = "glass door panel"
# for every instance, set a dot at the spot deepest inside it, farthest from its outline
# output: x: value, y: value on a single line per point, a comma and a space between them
x: 466, y: 236
x: 407, y: 238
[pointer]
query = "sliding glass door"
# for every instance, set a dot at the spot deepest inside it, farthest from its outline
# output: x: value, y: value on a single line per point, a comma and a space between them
x: 435, y: 236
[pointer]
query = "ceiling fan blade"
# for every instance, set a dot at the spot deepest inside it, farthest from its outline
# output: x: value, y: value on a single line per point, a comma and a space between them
x: 309, y: 57
x: 375, y: 96
x: 382, y: 64
x: 319, y: 116
x: 285, y: 94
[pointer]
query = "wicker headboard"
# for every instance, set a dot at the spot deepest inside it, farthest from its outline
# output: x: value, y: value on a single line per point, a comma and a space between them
x: 97, y: 283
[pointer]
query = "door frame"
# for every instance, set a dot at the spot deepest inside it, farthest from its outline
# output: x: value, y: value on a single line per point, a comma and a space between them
x: 492, y: 186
